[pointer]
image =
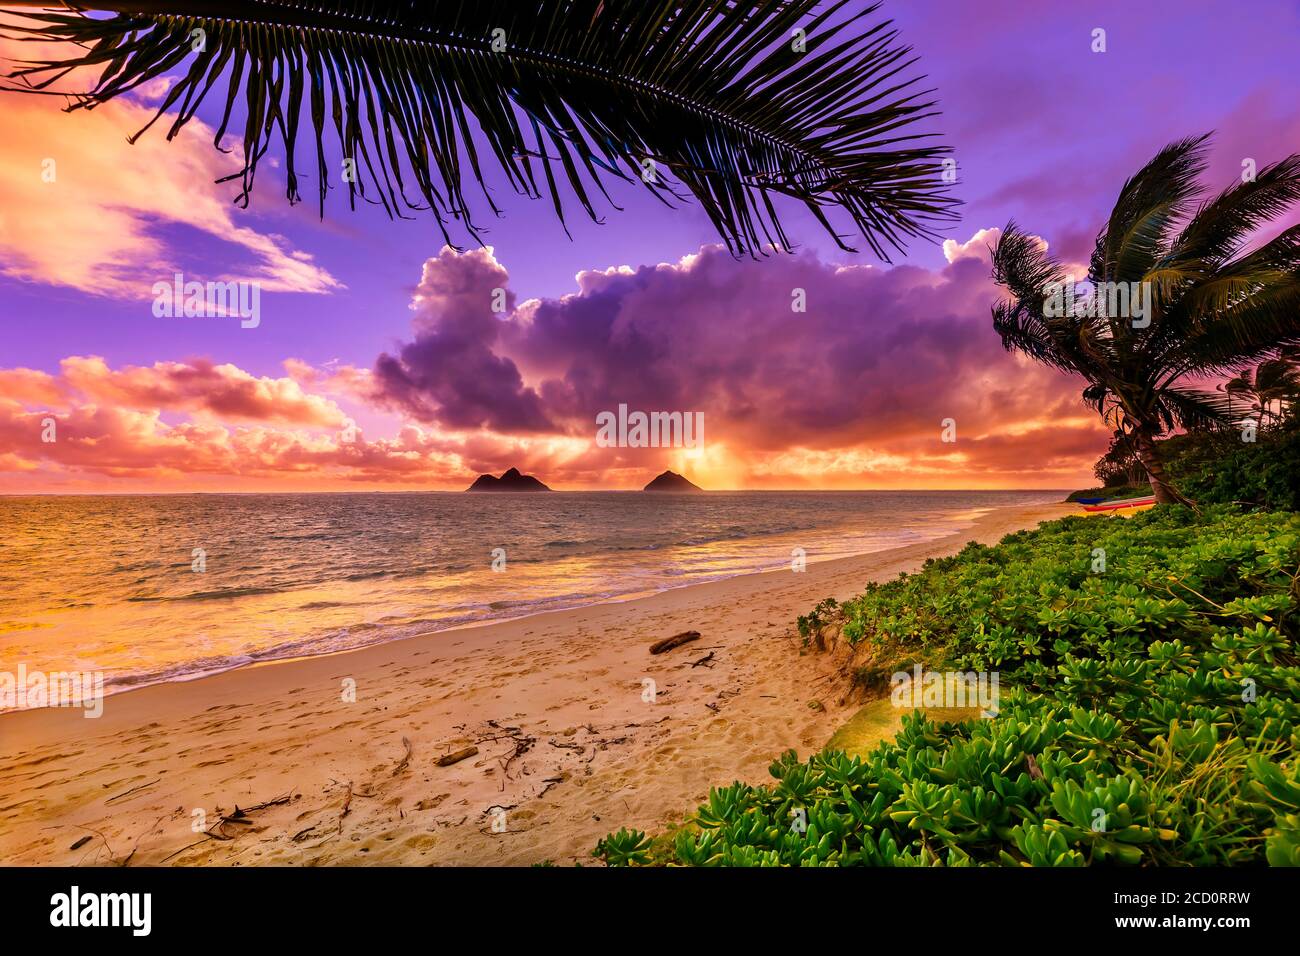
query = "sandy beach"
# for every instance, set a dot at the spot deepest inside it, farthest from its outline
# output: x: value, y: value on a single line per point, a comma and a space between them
x: 568, y: 745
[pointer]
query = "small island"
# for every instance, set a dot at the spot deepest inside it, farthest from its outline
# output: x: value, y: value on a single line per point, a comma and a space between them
x: 671, y: 481
x: 511, y: 480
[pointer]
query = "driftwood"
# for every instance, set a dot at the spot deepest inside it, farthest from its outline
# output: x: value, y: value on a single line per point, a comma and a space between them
x: 456, y: 757
x: 677, y: 640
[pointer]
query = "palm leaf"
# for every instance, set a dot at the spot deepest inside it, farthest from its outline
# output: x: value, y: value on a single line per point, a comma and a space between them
x: 1072, y: 343
x: 1022, y: 266
x: 1148, y: 207
x: 1221, y: 226
x: 1251, y: 327
x: 1181, y: 406
x: 565, y: 94
x: 1277, y: 378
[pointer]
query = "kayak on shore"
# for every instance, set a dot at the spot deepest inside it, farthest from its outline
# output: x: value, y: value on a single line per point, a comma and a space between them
x: 1122, y: 503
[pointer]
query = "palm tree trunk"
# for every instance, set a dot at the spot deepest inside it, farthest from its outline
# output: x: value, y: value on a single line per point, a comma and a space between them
x: 1151, y: 461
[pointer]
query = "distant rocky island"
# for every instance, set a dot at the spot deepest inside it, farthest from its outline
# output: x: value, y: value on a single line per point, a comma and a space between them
x: 671, y: 481
x: 511, y: 480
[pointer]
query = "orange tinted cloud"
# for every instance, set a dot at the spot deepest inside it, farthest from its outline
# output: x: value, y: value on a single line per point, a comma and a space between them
x: 31, y: 385
x: 197, y: 425
x: 218, y: 391
x: 83, y: 208
x: 101, y: 448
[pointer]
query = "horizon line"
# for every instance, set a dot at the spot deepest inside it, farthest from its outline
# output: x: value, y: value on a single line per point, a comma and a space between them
x: 572, y: 491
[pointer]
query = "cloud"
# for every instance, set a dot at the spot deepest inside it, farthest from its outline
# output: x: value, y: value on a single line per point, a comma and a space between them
x: 120, y: 425
x: 977, y: 246
x: 31, y: 385
x: 852, y: 392
x: 197, y: 425
x: 334, y: 378
x: 863, y: 377
x: 80, y: 207
x: 450, y: 372
x: 223, y: 392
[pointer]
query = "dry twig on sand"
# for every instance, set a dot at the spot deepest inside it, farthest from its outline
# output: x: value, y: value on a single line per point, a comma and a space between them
x: 97, y: 833
x: 347, y: 806
x: 112, y: 858
x: 550, y: 782
x: 523, y: 744
x: 241, y: 816
x: 127, y: 793
x: 406, y: 760
x: 127, y: 860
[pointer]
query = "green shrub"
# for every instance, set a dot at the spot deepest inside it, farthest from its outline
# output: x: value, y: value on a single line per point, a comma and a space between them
x: 1220, y: 468
x: 624, y: 848
x: 810, y: 625
x: 1148, y: 712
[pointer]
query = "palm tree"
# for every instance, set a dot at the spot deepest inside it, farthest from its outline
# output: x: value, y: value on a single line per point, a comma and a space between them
x: 1272, y: 381
x: 1214, y: 303
x: 1277, y: 382
x: 1239, y: 384
x: 739, y: 102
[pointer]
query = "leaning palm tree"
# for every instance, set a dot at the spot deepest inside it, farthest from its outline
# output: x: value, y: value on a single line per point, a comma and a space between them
x: 1276, y: 385
x: 737, y: 101
x: 1274, y: 382
x: 1241, y: 385
x: 1213, y: 302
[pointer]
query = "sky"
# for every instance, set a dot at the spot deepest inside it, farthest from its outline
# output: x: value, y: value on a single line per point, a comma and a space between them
x: 375, y: 366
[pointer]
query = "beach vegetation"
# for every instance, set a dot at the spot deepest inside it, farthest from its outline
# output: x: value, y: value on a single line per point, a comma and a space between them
x: 1214, y: 466
x: 624, y: 848
x: 1218, y: 467
x: 810, y: 625
x: 1149, y: 715
x: 1120, y: 465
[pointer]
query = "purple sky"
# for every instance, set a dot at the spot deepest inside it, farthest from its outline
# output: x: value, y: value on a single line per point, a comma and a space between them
x: 1044, y: 131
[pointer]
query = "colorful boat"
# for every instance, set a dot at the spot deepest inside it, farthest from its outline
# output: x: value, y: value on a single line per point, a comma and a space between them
x: 1122, y: 503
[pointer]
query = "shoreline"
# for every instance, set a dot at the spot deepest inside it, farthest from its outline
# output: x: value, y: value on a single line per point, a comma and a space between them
x: 306, y: 645
x: 569, y: 745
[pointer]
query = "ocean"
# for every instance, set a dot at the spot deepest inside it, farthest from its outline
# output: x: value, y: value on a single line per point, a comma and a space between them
x: 149, y: 588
